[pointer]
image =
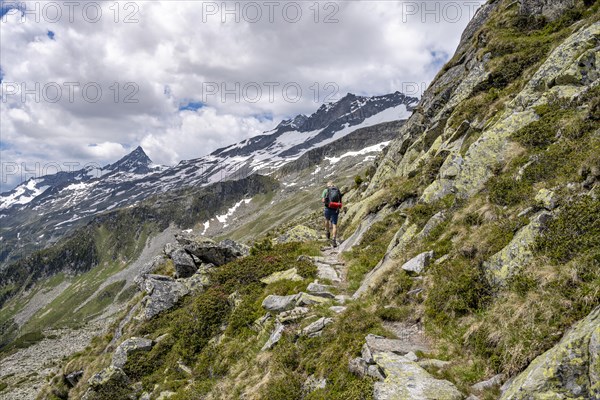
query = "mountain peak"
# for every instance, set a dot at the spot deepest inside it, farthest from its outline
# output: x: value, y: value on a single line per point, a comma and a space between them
x: 136, y: 162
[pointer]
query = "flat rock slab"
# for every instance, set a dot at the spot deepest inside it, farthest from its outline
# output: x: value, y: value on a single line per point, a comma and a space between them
x: 289, y: 275
x: 315, y: 287
x: 377, y: 344
x: 326, y: 271
x: 406, y: 380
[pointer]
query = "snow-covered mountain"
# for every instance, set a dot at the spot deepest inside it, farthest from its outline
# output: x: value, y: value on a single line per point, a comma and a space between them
x: 41, y: 210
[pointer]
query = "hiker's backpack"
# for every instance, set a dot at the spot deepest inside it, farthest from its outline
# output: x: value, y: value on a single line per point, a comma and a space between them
x: 333, y: 198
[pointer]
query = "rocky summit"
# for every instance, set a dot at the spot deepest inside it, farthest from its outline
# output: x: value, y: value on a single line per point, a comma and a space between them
x: 467, y: 262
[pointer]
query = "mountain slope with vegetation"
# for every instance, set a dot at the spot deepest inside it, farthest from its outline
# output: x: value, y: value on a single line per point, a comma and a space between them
x: 470, y: 264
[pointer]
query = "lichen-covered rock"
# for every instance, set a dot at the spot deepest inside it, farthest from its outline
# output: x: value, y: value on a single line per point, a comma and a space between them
x: 406, y: 380
x: 184, y: 264
x: 293, y: 315
x: 517, y: 253
x: 306, y: 299
x: 569, y: 370
x: 418, y: 264
x: 547, y: 199
x: 289, y: 275
x: 299, y: 233
x: 390, y: 259
x: 128, y: 346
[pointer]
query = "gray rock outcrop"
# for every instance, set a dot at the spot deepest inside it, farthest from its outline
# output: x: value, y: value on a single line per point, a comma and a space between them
x: 571, y: 369
x: 128, y: 346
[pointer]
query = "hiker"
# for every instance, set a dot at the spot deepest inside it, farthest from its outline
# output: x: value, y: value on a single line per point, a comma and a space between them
x: 332, y: 200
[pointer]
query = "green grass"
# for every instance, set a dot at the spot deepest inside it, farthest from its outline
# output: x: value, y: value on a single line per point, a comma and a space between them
x: 364, y: 257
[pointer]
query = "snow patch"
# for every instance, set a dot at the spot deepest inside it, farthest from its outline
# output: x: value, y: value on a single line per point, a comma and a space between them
x: 223, y: 218
x: 366, y: 150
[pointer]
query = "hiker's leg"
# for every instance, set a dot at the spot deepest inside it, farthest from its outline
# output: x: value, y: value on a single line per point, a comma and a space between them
x: 334, y: 222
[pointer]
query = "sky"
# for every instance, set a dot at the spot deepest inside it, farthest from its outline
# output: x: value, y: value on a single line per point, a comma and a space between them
x: 86, y: 82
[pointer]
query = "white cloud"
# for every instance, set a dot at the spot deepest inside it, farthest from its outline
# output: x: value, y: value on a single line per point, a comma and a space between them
x: 176, y: 49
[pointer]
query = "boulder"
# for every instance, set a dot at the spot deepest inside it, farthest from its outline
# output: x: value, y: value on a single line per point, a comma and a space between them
x: 184, y: 264
x: 274, y: 338
x: 128, y: 346
x: 210, y: 252
x: 279, y: 304
x: 316, y: 327
x: 162, y: 292
x: 289, y: 275
x: 418, y: 264
x: 406, y: 380
x: 571, y: 369
x: 237, y: 249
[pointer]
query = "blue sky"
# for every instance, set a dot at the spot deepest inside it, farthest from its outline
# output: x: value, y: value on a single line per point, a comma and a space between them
x: 167, y: 70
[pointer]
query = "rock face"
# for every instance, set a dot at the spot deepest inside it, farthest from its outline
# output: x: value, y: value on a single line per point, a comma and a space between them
x: 184, y: 264
x: 406, y: 380
x: 517, y: 253
x: 128, y: 346
x: 571, y: 369
x: 551, y: 9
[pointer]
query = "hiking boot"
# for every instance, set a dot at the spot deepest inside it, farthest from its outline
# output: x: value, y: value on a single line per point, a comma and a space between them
x: 328, y: 235
x: 334, y: 243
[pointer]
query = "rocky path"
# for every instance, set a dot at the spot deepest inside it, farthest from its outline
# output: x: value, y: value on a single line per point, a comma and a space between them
x: 392, y: 361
